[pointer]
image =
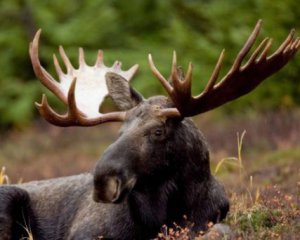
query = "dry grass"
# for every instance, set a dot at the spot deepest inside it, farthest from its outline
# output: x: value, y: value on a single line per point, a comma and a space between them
x: 30, y: 237
x: 3, y: 177
x: 265, y: 211
x: 234, y: 161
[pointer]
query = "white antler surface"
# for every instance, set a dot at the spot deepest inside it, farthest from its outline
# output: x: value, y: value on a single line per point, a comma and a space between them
x: 91, y: 86
x: 82, y: 89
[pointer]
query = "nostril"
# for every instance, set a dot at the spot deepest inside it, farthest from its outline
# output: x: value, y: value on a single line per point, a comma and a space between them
x: 114, y: 189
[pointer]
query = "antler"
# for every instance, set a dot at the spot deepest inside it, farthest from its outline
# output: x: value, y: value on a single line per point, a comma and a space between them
x: 82, y: 89
x: 237, y: 82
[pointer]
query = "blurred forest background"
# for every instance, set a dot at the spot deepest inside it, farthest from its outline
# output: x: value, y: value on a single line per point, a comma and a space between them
x: 127, y: 31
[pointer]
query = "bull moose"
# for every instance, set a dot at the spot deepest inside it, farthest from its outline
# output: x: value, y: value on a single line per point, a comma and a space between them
x: 156, y: 171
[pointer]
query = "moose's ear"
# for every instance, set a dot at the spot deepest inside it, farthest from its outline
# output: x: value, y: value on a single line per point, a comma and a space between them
x: 124, y: 96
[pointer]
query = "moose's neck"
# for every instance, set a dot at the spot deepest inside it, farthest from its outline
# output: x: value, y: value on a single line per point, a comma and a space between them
x: 161, y: 198
x: 149, y: 205
x: 191, y: 152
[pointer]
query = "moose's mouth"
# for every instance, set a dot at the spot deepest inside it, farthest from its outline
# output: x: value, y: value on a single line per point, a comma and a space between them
x: 112, y: 189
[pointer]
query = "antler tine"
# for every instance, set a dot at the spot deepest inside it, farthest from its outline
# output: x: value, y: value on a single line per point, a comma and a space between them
x: 160, y: 77
x: 247, y: 46
x: 73, y: 111
x: 181, y: 84
x: 50, y: 115
x: 265, y: 51
x: 99, y: 60
x: 290, y: 48
x: 39, y: 71
x: 120, y: 65
x: 257, y: 51
x: 132, y: 71
x: 187, y: 83
x: 298, y: 44
x: 285, y: 43
x: 65, y: 59
x: 174, y: 73
x: 171, y: 113
x: 58, y: 69
x: 82, y: 62
x: 214, y: 77
x: 286, y: 50
x: 293, y: 47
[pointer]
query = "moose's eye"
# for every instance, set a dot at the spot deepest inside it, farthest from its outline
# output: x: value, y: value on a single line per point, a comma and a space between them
x: 158, y: 132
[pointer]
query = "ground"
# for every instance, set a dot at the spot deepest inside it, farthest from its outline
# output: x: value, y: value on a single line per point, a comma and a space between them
x: 259, y: 168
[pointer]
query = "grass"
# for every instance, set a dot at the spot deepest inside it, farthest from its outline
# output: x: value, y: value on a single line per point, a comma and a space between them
x: 264, y: 210
x: 274, y: 215
x: 259, y: 212
x: 30, y: 236
x: 3, y: 177
x: 235, y: 161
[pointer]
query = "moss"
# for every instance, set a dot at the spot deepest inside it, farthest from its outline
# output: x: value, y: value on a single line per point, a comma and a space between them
x: 255, y: 219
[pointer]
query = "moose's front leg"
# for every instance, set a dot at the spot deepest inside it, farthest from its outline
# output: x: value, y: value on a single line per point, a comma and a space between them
x: 14, y: 208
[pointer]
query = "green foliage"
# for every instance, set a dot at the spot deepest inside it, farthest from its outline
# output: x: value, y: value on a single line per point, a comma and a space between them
x: 128, y: 31
x: 257, y: 218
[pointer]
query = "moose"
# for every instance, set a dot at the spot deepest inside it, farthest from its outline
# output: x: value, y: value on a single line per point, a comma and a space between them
x: 158, y: 169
